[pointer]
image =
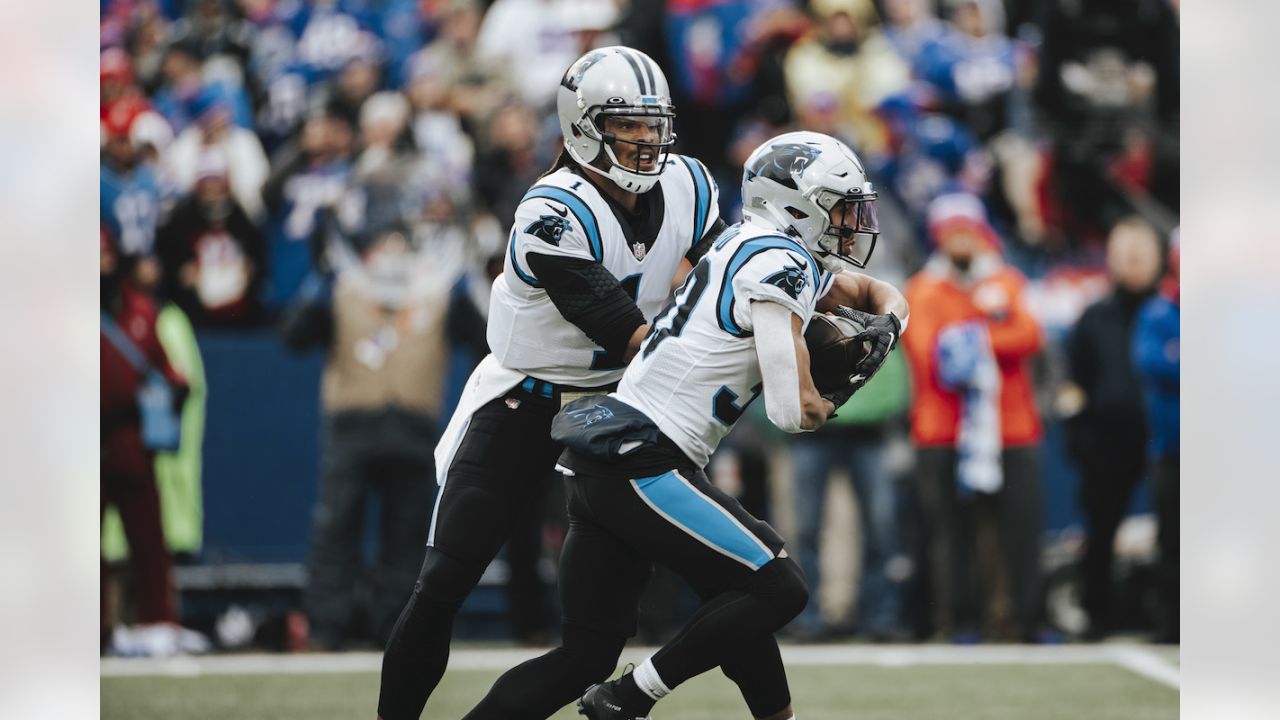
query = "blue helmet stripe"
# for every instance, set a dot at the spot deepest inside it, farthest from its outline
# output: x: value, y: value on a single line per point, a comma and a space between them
x: 748, y: 250
x: 702, y: 198
x: 635, y: 68
x: 580, y: 210
x: 647, y: 64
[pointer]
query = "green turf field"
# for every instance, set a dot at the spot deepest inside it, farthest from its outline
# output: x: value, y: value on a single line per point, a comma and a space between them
x: 915, y: 691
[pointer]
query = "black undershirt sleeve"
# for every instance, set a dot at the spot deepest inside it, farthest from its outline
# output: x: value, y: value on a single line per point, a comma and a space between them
x: 590, y: 297
x: 702, y: 246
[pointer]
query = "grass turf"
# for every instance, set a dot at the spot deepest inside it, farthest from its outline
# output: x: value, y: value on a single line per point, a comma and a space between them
x: 862, y: 692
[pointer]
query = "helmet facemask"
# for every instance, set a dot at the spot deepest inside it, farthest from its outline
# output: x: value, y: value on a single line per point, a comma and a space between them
x: 635, y: 141
x: 854, y: 226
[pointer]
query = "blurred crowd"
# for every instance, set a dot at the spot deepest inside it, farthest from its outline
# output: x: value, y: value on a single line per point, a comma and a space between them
x: 344, y: 172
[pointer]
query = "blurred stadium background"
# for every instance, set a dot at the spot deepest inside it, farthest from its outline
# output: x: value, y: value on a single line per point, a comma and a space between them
x: 314, y: 195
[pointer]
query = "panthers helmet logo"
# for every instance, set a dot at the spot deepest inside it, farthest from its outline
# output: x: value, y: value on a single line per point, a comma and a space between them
x: 573, y: 76
x: 592, y: 415
x: 783, y: 161
x: 790, y: 279
x: 548, y: 228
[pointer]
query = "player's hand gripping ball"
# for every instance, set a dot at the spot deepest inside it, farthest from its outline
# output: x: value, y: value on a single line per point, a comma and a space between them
x: 834, y: 351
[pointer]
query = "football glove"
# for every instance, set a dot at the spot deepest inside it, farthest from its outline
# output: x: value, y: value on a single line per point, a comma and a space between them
x: 841, y: 396
x: 882, y: 331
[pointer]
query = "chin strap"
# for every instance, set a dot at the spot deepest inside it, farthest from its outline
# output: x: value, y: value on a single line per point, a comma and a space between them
x: 833, y: 262
x: 643, y: 182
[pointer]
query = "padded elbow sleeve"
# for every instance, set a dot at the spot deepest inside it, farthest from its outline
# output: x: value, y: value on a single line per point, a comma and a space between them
x: 590, y: 297
x: 701, y: 247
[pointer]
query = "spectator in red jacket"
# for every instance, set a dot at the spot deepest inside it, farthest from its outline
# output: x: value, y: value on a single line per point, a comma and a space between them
x: 974, y: 421
x: 127, y: 475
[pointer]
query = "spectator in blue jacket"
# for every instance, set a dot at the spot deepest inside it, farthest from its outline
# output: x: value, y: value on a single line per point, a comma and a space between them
x: 972, y: 67
x: 1156, y: 353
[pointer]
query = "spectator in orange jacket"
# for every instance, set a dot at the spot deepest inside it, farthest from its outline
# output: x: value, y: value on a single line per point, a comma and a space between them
x: 974, y: 423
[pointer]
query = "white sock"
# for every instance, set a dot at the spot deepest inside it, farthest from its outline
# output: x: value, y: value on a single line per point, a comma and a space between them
x: 649, y: 682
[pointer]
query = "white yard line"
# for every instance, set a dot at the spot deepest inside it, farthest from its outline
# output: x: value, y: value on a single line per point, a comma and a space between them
x: 1135, y: 658
x: 1148, y: 664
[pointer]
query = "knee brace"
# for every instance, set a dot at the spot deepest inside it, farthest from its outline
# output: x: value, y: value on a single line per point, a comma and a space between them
x: 445, y: 580
x: 781, y: 582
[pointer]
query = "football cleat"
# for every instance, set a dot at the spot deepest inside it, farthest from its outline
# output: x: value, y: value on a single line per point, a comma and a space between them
x: 602, y: 702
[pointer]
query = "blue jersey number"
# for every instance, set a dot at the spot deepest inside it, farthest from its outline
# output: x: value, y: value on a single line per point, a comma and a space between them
x: 603, y: 360
x: 725, y: 407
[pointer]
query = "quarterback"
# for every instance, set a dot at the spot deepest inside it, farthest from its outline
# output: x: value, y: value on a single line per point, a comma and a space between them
x: 593, y: 251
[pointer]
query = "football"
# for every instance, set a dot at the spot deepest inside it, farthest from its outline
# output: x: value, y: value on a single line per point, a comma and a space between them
x: 832, y: 350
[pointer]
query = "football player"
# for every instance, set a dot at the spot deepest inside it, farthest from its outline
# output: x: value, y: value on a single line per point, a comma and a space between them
x: 593, y: 253
x: 636, y: 491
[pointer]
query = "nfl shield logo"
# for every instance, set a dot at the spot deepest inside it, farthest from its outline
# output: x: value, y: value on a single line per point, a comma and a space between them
x: 639, y: 250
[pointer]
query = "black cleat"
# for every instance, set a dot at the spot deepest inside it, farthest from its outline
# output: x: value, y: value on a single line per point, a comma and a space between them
x: 601, y: 702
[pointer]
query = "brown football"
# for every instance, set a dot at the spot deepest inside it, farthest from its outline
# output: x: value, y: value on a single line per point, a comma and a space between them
x: 833, y: 351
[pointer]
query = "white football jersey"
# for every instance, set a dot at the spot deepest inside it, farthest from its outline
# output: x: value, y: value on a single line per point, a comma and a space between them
x: 697, y: 370
x: 564, y: 214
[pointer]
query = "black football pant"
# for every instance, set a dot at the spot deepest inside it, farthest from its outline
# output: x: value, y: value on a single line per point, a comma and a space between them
x: 503, y: 461
x: 617, y: 528
x: 505, y: 455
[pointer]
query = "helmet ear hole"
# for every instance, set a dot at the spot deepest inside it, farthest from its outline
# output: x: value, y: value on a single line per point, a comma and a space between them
x: 797, y: 213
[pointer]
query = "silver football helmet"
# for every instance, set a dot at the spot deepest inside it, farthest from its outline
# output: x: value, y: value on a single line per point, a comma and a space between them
x: 814, y: 188
x: 612, y: 96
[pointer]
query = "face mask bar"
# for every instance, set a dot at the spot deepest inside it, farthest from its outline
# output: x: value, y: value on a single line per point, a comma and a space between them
x: 854, y: 229
x: 659, y: 121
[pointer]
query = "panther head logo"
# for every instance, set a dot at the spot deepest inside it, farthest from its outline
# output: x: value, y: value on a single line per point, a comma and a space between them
x: 573, y: 76
x: 548, y: 228
x: 790, y: 278
x: 783, y: 161
x: 592, y: 415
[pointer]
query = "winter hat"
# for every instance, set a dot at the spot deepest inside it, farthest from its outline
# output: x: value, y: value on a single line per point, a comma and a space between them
x: 960, y: 211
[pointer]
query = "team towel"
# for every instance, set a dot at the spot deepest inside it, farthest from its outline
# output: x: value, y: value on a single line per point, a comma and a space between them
x: 967, y: 366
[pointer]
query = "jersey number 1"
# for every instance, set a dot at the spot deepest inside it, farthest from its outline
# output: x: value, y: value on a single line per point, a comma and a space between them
x: 603, y: 360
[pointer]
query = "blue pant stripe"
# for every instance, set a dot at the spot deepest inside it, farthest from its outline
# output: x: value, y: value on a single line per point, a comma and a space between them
x: 675, y: 499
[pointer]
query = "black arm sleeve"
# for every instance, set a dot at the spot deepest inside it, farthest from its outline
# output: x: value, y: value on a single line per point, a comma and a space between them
x: 590, y: 297
x: 702, y: 246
